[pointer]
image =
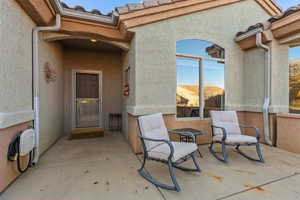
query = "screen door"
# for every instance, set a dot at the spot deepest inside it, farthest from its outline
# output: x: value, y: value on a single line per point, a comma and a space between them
x: 87, y: 100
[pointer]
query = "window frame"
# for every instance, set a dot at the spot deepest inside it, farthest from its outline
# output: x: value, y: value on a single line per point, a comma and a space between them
x: 200, y: 60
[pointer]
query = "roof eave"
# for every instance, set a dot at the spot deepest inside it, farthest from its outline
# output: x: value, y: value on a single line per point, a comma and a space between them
x: 248, y: 34
x: 247, y: 40
x: 175, y: 8
x: 112, y: 20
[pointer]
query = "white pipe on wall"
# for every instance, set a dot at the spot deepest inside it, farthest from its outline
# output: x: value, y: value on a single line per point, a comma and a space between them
x: 36, y: 75
x: 267, y: 86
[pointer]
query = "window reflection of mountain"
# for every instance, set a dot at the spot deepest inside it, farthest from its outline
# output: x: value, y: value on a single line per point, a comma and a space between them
x: 187, y: 99
x: 214, y: 102
x: 181, y: 100
x: 188, y: 95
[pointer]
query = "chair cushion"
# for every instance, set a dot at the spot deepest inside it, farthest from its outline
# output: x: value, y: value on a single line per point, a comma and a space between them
x: 227, y: 120
x: 181, y: 149
x: 236, y: 139
x: 153, y: 126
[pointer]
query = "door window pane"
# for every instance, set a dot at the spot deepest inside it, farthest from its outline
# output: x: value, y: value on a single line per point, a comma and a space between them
x: 87, y: 85
x: 87, y: 113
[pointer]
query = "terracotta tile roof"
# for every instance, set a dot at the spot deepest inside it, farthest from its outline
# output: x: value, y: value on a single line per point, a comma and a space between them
x: 286, y: 13
x: 266, y: 25
x: 82, y: 9
x: 155, y: 3
x: 142, y: 5
x: 123, y: 9
x: 263, y: 26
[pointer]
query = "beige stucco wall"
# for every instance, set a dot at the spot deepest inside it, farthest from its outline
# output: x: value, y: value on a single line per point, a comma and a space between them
x: 254, y: 64
x: 280, y: 78
x: 128, y: 101
x: 16, y: 85
x: 111, y: 66
x: 130, y: 61
x: 253, y: 84
x: 125, y: 65
x: 15, y: 65
x: 155, y: 48
x: 51, y: 94
x: 15, y: 82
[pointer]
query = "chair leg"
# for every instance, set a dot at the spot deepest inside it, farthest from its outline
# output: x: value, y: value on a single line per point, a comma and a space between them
x: 259, y: 153
x: 172, y: 175
x: 143, y: 164
x: 200, y: 154
x: 197, y: 165
x: 258, y: 150
x: 149, y: 178
x: 224, y: 152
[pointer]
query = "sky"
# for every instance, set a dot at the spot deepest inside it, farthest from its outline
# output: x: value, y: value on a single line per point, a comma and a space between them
x: 105, y: 6
x: 285, y: 4
x: 188, y: 70
x: 294, y: 53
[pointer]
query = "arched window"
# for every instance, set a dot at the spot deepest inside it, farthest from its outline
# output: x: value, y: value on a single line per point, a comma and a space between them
x: 200, y: 78
x: 294, y: 79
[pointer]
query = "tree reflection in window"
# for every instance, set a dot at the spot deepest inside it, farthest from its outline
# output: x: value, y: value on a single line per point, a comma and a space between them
x: 294, y: 79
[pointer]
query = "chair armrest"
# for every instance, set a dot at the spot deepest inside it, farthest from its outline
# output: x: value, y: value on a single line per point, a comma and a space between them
x: 252, y: 127
x: 223, y: 131
x: 160, y: 140
x: 186, y: 134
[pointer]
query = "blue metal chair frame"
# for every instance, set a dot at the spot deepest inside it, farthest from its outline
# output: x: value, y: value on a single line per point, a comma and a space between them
x: 169, y: 162
x: 237, y: 146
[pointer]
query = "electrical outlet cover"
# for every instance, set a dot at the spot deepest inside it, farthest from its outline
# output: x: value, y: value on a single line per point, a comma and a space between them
x: 27, y: 142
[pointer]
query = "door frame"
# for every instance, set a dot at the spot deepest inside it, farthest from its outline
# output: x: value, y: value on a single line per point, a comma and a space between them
x: 73, y: 101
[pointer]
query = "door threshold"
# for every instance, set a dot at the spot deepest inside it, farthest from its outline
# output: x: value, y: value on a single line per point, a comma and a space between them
x: 87, y: 130
x: 86, y: 133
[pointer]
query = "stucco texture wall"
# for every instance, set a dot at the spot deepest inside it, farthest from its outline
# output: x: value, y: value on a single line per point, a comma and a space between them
x: 111, y: 66
x: 155, y: 49
x: 15, y: 65
x: 51, y: 94
x: 280, y: 78
x: 254, y: 81
x: 16, y: 85
x: 128, y: 101
x: 15, y: 82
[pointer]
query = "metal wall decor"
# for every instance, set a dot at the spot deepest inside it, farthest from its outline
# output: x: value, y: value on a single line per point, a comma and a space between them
x: 126, y: 88
x: 50, y: 73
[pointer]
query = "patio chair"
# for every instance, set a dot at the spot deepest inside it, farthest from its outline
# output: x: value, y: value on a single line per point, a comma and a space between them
x: 158, y: 147
x: 227, y: 132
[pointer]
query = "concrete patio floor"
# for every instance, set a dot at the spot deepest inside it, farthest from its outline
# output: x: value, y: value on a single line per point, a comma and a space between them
x: 105, y: 168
